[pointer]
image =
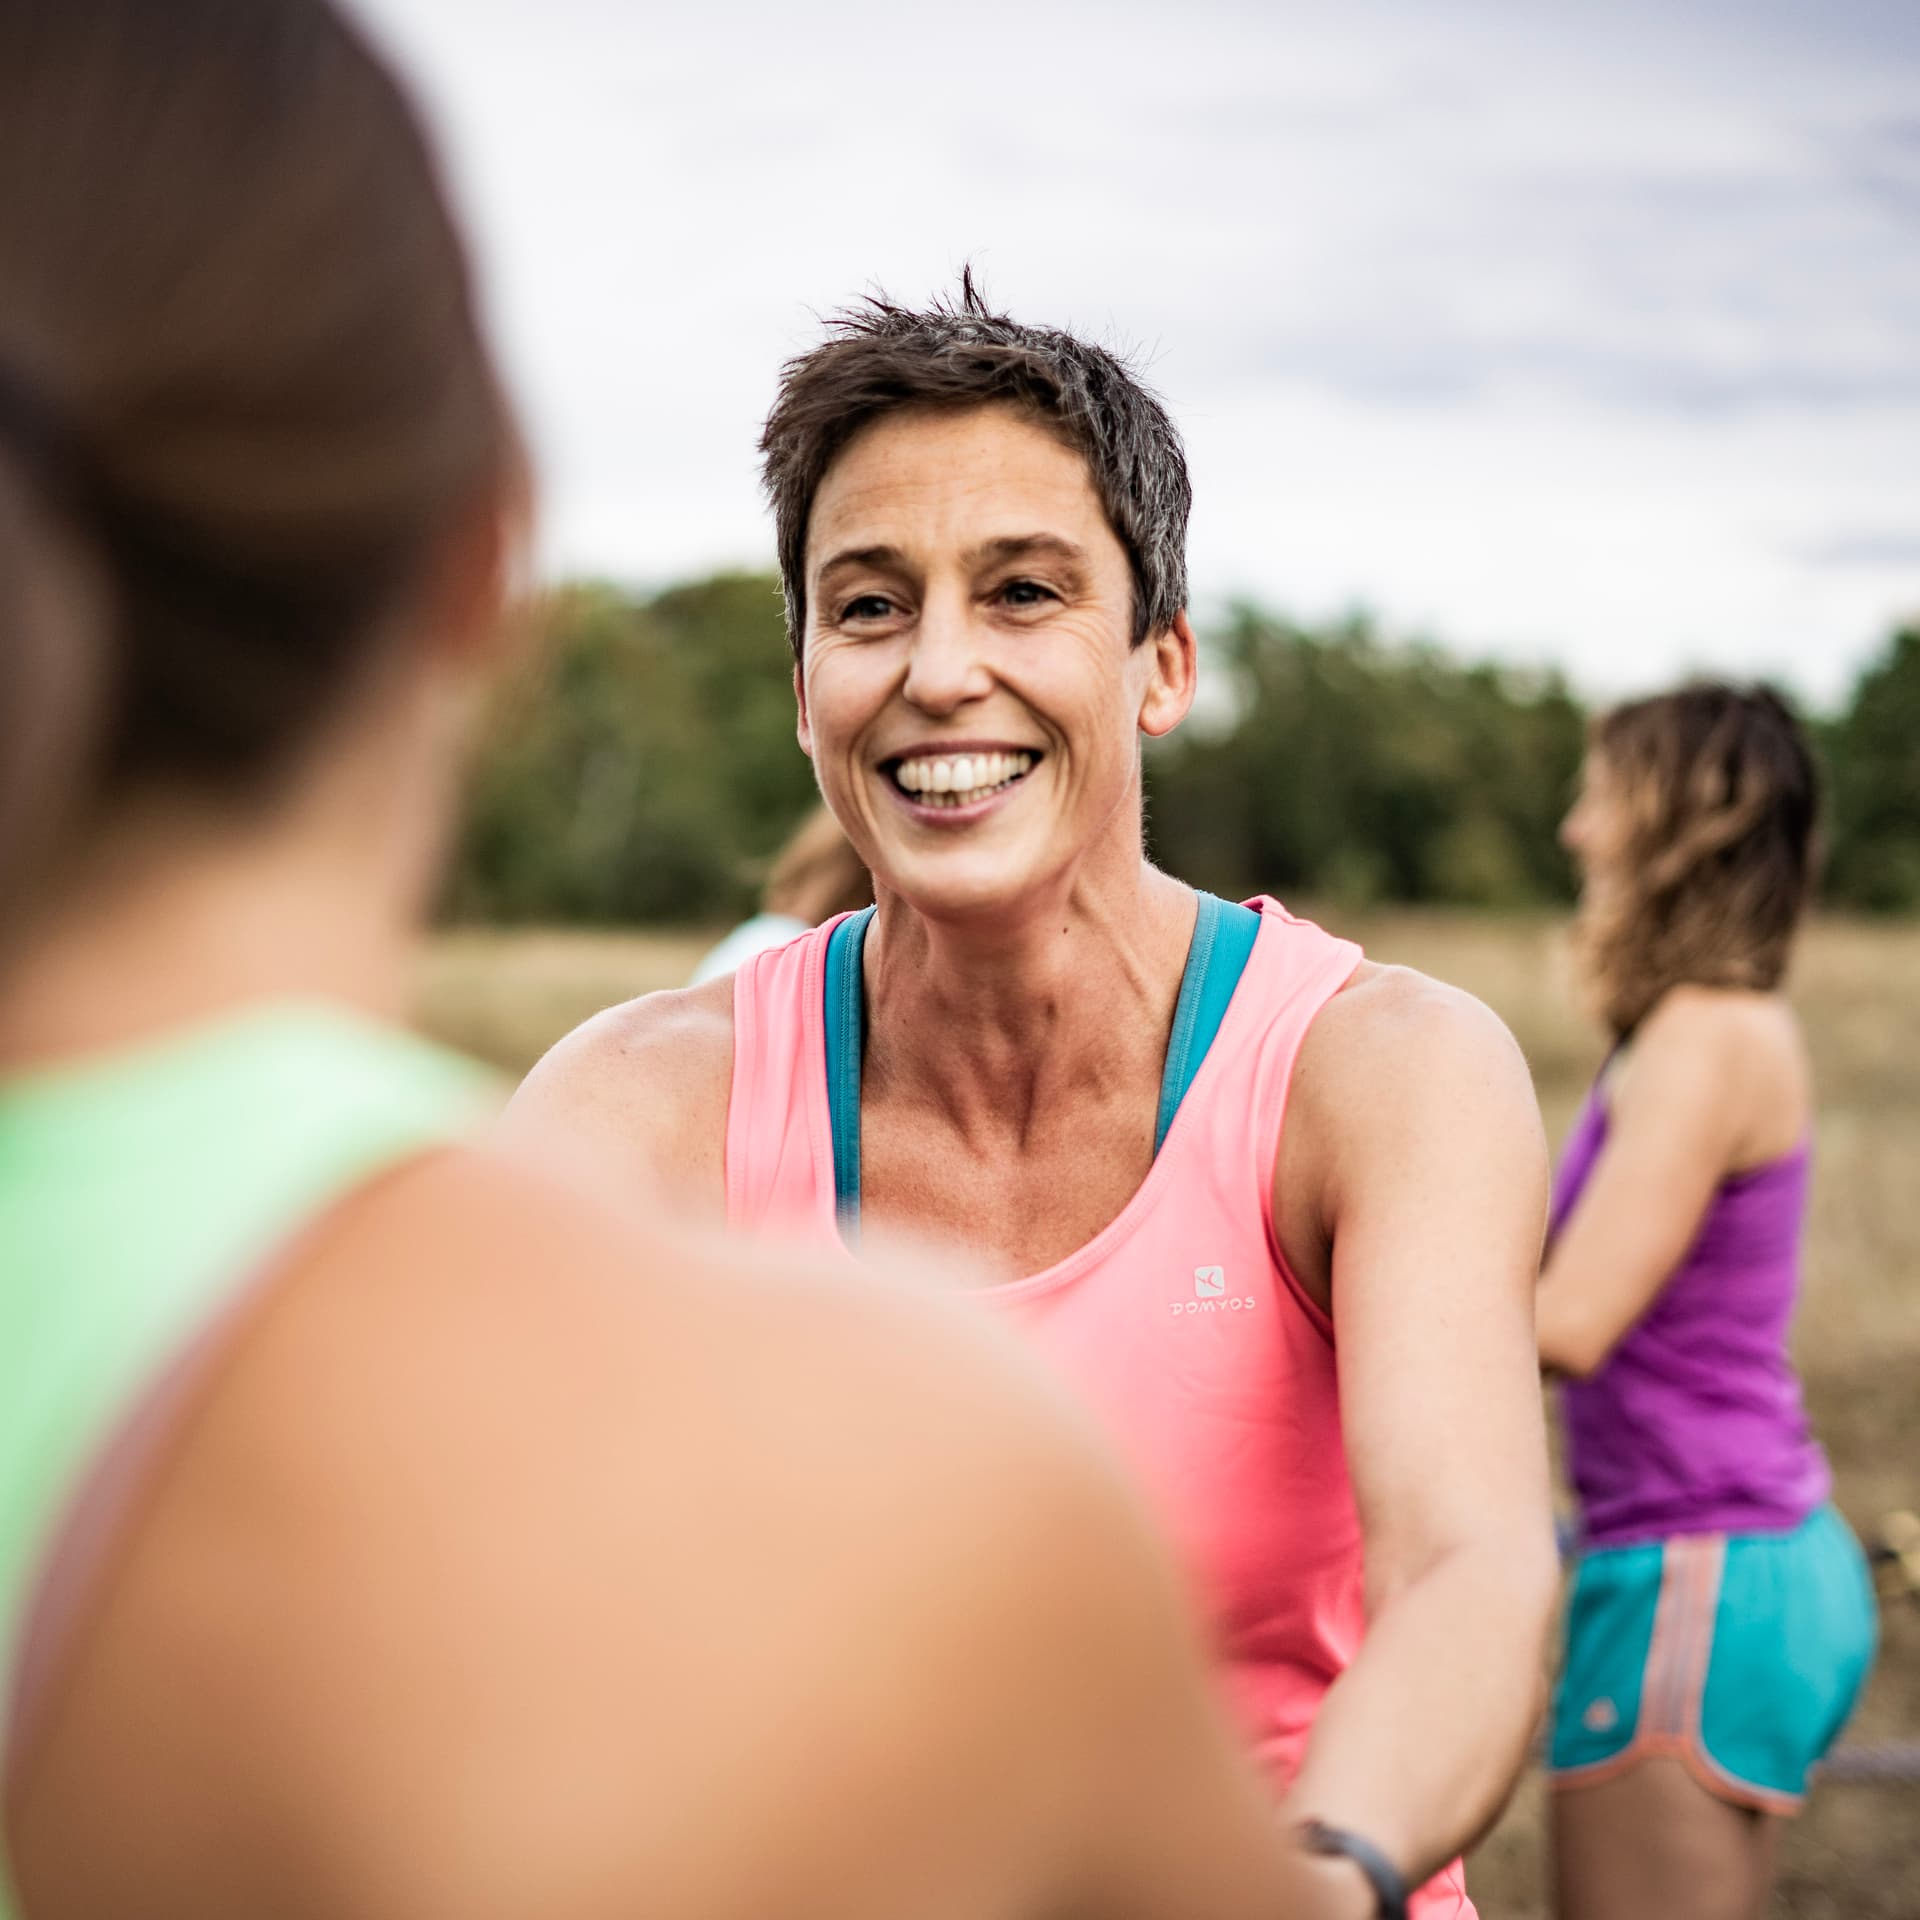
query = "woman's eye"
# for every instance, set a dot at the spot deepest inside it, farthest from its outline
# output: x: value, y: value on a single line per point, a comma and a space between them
x: 1025, y: 593
x: 869, y: 606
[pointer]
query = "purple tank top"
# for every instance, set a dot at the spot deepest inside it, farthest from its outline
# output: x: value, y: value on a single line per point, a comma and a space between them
x: 1693, y: 1424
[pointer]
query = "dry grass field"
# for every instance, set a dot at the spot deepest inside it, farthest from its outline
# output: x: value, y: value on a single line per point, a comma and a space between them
x: 1856, y: 1853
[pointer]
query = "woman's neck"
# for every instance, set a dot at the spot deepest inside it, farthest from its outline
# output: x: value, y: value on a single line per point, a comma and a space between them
x: 994, y: 1021
x: 112, y: 974
x: 181, y: 911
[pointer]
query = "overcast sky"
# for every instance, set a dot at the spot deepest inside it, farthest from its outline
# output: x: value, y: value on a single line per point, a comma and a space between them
x: 1586, y: 333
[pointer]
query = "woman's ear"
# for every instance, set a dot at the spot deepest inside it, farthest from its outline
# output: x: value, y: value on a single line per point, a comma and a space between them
x: 477, y: 579
x: 803, y: 724
x: 1174, y: 677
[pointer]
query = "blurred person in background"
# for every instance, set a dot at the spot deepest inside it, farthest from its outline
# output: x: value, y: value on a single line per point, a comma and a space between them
x: 815, y: 876
x: 1314, y: 1341
x: 386, y: 1529
x: 1721, y: 1622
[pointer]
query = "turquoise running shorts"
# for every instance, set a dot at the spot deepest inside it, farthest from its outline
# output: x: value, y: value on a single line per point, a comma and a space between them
x: 1741, y: 1655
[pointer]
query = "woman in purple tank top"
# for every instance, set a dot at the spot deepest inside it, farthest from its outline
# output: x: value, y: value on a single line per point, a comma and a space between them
x: 1721, y: 1622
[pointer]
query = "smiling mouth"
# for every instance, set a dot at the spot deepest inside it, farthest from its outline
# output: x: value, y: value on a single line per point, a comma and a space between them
x: 960, y: 779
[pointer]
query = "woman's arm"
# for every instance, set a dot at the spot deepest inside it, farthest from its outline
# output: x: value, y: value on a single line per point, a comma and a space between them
x: 1678, y: 1117
x: 1420, y: 1140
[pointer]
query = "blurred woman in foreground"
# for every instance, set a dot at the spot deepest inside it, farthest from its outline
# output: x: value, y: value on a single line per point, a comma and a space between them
x: 1721, y: 1623
x: 385, y: 1530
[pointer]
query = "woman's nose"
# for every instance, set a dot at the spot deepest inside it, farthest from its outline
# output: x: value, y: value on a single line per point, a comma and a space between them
x: 945, y: 669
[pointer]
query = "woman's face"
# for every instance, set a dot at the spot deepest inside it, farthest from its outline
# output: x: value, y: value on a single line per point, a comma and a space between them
x: 969, y: 690
x: 1595, y: 830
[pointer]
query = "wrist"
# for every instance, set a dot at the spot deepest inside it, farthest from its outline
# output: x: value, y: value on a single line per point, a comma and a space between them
x: 1377, y: 1888
x: 1334, y: 1890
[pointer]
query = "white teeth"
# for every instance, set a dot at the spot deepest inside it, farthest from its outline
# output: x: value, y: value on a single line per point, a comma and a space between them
x: 962, y: 779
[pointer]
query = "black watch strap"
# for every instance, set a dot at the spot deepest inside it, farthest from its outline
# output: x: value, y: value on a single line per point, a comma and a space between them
x: 1389, y: 1890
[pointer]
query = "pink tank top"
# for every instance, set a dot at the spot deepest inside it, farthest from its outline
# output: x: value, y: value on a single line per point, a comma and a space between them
x: 1179, y: 1322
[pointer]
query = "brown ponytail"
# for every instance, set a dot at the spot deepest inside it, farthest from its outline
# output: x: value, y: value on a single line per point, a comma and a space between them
x: 244, y: 396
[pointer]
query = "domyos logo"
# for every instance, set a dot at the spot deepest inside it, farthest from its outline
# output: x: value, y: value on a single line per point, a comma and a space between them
x: 1210, y: 1295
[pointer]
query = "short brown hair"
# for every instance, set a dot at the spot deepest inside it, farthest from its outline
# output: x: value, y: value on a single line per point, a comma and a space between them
x: 1722, y: 802
x: 244, y: 394
x: 880, y: 358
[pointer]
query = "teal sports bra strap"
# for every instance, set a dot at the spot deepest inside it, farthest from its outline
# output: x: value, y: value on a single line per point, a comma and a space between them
x: 846, y: 1013
x: 1223, y: 937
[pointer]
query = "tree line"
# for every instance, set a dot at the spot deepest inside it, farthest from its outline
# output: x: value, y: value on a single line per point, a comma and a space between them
x: 643, y: 767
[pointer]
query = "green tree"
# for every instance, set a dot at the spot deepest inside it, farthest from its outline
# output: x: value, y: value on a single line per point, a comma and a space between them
x: 644, y: 767
x: 1873, y: 755
x: 1362, y: 770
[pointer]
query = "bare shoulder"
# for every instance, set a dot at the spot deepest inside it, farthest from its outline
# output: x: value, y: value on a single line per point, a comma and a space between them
x: 1721, y: 1026
x: 1407, y: 1093
x: 470, y: 1556
x: 639, y: 1091
x: 1736, y: 1058
x: 1393, y: 1031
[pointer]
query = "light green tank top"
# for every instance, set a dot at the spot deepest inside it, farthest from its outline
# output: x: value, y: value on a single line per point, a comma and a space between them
x: 140, y: 1193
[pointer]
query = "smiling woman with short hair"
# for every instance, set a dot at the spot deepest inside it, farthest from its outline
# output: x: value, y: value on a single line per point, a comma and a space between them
x: 1273, y: 1210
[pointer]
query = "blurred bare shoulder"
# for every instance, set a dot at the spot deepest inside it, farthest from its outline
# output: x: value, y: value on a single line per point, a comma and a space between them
x: 492, y: 1635
x: 637, y: 1093
x: 1735, y: 1057
x: 1732, y: 1030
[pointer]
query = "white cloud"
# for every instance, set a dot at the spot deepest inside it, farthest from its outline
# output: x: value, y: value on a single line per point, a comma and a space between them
x: 1574, y: 333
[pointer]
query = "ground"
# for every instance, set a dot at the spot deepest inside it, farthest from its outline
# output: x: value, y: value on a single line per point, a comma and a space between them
x: 1857, y: 1851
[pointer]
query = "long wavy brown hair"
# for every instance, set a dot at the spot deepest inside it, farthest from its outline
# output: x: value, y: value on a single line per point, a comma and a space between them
x: 1719, y: 852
